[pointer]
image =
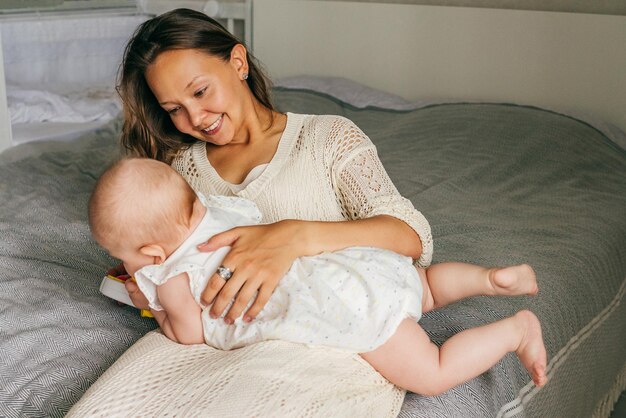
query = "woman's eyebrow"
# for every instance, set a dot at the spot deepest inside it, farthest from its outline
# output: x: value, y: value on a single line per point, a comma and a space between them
x: 192, y: 81
x: 186, y: 87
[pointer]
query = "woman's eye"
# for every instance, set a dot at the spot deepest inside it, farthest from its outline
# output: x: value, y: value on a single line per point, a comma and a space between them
x: 200, y: 92
x: 173, y: 111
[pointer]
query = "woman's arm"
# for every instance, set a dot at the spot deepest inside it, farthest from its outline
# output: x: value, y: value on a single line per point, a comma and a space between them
x: 379, y: 217
x: 262, y: 254
x: 366, y: 191
x: 382, y: 231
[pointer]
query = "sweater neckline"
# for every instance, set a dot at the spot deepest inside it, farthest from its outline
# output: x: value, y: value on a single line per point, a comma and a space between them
x: 285, y: 144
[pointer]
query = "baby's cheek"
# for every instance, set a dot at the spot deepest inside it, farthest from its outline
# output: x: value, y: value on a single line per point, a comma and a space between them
x: 131, y: 268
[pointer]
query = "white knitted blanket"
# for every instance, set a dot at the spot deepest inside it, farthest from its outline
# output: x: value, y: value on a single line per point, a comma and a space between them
x: 202, y: 381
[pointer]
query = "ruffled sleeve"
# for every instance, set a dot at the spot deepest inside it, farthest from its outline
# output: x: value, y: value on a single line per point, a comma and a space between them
x: 239, y: 205
x: 150, y: 277
x: 364, y: 187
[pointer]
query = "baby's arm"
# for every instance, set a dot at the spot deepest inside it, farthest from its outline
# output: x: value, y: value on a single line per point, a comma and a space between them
x: 181, y: 319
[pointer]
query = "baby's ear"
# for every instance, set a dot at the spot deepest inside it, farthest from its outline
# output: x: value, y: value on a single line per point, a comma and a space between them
x: 154, y: 250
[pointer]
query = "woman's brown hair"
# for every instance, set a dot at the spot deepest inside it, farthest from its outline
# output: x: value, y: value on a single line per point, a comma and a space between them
x: 148, y: 130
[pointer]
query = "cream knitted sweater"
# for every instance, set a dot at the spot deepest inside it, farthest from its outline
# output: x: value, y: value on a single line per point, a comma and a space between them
x: 325, y: 169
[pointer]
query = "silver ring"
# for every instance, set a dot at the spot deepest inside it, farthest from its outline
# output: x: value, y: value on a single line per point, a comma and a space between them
x: 224, y: 272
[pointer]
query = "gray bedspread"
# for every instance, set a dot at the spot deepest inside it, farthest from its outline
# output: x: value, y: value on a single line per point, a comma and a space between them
x: 499, y: 184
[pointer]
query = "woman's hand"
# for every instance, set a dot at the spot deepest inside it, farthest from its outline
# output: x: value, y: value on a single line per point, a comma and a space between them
x: 260, y: 256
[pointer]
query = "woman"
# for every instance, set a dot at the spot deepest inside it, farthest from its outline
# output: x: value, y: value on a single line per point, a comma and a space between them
x: 194, y: 97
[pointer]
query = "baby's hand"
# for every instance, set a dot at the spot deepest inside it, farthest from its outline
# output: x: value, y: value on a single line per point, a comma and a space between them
x: 138, y: 298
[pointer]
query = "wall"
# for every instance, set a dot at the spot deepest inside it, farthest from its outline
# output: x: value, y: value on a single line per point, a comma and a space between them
x: 608, y: 7
x: 572, y: 62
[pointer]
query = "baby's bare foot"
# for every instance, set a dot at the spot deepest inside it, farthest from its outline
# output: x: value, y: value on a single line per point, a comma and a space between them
x: 531, y: 350
x: 514, y: 280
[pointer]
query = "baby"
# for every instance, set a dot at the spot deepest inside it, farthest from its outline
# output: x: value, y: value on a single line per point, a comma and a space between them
x: 361, y: 299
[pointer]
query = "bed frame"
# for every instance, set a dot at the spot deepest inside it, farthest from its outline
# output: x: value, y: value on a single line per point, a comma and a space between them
x: 5, y: 118
x: 572, y: 62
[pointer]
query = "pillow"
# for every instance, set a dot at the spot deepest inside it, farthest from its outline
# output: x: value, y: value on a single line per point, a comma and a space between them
x: 348, y: 91
x: 157, y: 377
x: 362, y: 96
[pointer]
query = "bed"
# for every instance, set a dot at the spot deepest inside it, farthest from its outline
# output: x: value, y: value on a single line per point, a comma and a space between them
x: 499, y: 181
x: 500, y: 184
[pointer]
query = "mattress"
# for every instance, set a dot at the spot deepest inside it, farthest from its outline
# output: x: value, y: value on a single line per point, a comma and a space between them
x: 500, y: 184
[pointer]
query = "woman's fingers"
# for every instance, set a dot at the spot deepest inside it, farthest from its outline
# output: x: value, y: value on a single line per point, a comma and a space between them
x: 227, y: 294
x: 261, y: 299
x: 223, y: 239
x: 245, y: 295
x: 265, y: 292
x: 213, y: 287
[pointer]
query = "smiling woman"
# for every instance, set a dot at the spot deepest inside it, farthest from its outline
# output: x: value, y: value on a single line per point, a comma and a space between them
x: 213, y: 106
x: 194, y: 97
x: 202, y: 53
x: 560, y: 188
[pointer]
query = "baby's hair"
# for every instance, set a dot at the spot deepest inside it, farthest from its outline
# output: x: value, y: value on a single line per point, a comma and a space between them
x: 148, y: 130
x: 139, y: 201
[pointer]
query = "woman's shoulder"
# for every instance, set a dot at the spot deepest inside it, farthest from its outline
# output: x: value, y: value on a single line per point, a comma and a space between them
x: 334, y: 131
x: 323, y: 120
x: 329, y: 129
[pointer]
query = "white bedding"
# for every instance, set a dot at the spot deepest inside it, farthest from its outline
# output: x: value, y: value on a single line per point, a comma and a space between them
x: 38, y: 114
x: 28, y: 105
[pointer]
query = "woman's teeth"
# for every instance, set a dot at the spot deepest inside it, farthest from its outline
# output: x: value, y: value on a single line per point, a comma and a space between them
x: 214, y: 124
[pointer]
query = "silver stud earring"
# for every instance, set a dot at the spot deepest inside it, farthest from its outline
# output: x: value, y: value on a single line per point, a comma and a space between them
x: 245, y: 76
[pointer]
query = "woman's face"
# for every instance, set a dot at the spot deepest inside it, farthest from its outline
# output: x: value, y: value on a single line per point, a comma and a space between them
x: 204, y: 95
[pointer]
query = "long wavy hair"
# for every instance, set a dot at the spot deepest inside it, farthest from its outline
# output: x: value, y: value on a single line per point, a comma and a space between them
x: 148, y: 130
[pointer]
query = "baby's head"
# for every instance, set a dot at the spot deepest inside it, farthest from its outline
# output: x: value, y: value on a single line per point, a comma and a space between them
x: 139, y: 211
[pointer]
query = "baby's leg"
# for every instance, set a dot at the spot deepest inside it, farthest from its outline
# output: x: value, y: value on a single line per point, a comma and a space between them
x: 445, y: 283
x: 410, y: 360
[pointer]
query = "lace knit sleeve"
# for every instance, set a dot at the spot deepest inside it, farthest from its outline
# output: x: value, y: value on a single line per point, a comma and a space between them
x: 364, y: 187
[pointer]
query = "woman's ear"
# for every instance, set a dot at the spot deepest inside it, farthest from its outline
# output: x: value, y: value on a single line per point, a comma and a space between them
x: 155, y: 251
x: 239, y: 60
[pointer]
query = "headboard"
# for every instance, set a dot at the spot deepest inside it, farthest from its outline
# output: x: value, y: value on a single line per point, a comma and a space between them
x: 575, y: 62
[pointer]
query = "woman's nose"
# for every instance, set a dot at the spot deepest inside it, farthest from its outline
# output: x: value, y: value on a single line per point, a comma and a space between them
x: 196, y: 116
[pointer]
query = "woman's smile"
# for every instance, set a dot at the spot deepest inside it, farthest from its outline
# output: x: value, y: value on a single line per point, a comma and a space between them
x: 215, y: 126
x: 201, y: 93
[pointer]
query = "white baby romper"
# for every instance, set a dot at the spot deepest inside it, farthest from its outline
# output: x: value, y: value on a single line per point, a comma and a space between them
x: 353, y: 299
